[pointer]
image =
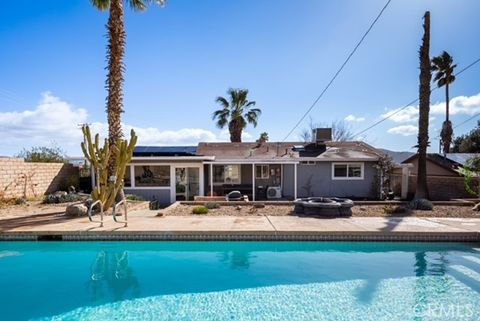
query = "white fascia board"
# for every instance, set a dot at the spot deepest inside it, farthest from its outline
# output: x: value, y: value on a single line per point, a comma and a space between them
x: 173, y: 158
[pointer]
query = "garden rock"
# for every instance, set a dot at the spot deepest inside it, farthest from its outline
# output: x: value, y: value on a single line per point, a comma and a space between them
x: 76, y: 210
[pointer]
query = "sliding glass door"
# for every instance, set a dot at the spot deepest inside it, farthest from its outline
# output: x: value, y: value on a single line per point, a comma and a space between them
x: 187, y: 183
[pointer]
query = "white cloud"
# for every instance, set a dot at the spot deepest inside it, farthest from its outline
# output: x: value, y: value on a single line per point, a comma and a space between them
x: 460, y: 105
x: 404, y: 130
x: 409, y: 114
x: 352, y: 118
x: 56, y: 121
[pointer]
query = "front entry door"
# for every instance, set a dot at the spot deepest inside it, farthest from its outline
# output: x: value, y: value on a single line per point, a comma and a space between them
x: 187, y: 183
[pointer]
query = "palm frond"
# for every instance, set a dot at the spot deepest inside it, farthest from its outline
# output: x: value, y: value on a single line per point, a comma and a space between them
x: 221, y: 116
x: 222, y: 101
x: 101, y: 4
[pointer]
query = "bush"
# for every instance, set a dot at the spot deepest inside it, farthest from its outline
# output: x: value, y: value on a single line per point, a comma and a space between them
x: 212, y: 205
x: 389, y: 209
x: 61, y: 197
x: 133, y: 197
x: 200, y: 210
x: 20, y: 201
x: 43, y: 155
x: 421, y: 204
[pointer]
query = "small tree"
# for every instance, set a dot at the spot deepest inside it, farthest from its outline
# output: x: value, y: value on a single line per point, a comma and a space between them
x: 471, y: 173
x: 468, y: 143
x: 384, y: 168
x: 341, y: 131
x: 41, y: 154
x: 263, y: 138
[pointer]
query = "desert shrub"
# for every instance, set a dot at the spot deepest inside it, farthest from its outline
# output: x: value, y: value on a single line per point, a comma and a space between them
x: 421, y: 204
x: 43, y: 154
x: 212, y: 205
x: 389, y: 209
x: 133, y: 197
x: 200, y: 210
x: 20, y: 201
x: 61, y: 197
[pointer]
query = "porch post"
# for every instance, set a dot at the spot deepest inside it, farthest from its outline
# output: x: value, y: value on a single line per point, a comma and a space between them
x: 295, y: 181
x: 211, y: 179
x: 201, y: 180
x: 253, y: 181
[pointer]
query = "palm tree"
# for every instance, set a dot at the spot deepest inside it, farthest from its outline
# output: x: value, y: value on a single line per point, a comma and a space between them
x: 236, y: 112
x: 115, y: 53
x: 424, y: 109
x: 443, y: 66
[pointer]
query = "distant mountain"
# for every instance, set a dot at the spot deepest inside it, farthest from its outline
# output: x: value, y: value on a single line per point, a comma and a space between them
x: 398, y: 157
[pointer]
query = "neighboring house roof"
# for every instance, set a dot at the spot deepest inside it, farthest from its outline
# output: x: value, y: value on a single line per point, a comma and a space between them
x: 165, y: 151
x: 461, y: 158
x: 452, y: 162
x: 290, y: 151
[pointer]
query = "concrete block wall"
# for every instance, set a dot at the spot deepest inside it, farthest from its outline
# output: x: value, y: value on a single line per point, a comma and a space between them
x: 31, y: 180
x: 440, y: 188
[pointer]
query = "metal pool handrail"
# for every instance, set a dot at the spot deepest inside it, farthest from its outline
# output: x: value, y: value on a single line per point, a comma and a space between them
x: 90, y: 209
x: 114, y: 212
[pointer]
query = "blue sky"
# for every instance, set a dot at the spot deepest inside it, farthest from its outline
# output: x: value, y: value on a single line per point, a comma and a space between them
x: 180, y: 57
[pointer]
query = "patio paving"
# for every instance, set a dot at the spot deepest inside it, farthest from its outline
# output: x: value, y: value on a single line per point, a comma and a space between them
x: 146, y: 222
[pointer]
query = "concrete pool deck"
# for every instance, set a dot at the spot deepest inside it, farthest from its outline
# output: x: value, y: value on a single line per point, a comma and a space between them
x: 145, y: 225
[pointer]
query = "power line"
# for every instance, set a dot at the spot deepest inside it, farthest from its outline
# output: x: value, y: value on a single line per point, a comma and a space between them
x: 414, y: 101
x: 339, y: 70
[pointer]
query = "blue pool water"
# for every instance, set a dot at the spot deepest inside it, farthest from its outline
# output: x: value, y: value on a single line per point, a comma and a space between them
x: 239, y: 281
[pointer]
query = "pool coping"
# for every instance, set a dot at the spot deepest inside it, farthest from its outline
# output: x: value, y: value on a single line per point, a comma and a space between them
x: 242, y: 236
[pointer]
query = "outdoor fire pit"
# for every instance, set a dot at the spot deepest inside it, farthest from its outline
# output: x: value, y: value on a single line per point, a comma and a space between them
x: 323, y: 206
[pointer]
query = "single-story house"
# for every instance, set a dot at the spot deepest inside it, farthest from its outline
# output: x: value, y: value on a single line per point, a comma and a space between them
x: 270, y: 170
x: 445, y: 180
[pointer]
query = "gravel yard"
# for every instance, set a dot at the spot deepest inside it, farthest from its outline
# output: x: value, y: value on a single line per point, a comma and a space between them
x: 358, y: 210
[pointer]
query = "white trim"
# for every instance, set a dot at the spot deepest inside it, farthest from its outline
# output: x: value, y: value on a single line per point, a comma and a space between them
x: 211, y: 180
x: 253, y: 182
x: 295, y: 181
x: 149, y: 188
x: 362, y: 169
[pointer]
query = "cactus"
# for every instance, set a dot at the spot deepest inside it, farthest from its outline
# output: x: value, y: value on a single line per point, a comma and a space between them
x: 107, y: 187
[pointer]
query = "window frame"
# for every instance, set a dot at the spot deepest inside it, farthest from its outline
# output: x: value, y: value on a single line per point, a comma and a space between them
x: 151, y: 186
x: 349, y: 178
x: 262, y: 166
x: 239, y: 166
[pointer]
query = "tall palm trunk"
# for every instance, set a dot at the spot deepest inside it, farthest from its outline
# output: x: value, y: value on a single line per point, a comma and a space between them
x: 447, y: 101
x: 424, y: 109
x: 235, y: 129
x: 114, y: 83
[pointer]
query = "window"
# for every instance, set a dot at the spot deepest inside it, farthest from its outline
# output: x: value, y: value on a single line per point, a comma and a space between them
x: 307, y: 163
x: 152, y: 176
x: 349, y: 171
x: 127, y: 182
x: 262, y: 171
x: 226, y: 174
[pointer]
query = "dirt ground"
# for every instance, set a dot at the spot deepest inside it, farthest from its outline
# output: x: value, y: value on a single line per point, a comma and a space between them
x: 37, y: 208
x: 359, y: 211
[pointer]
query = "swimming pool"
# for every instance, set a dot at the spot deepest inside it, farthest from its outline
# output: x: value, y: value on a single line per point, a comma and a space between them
x: 239, y: 281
